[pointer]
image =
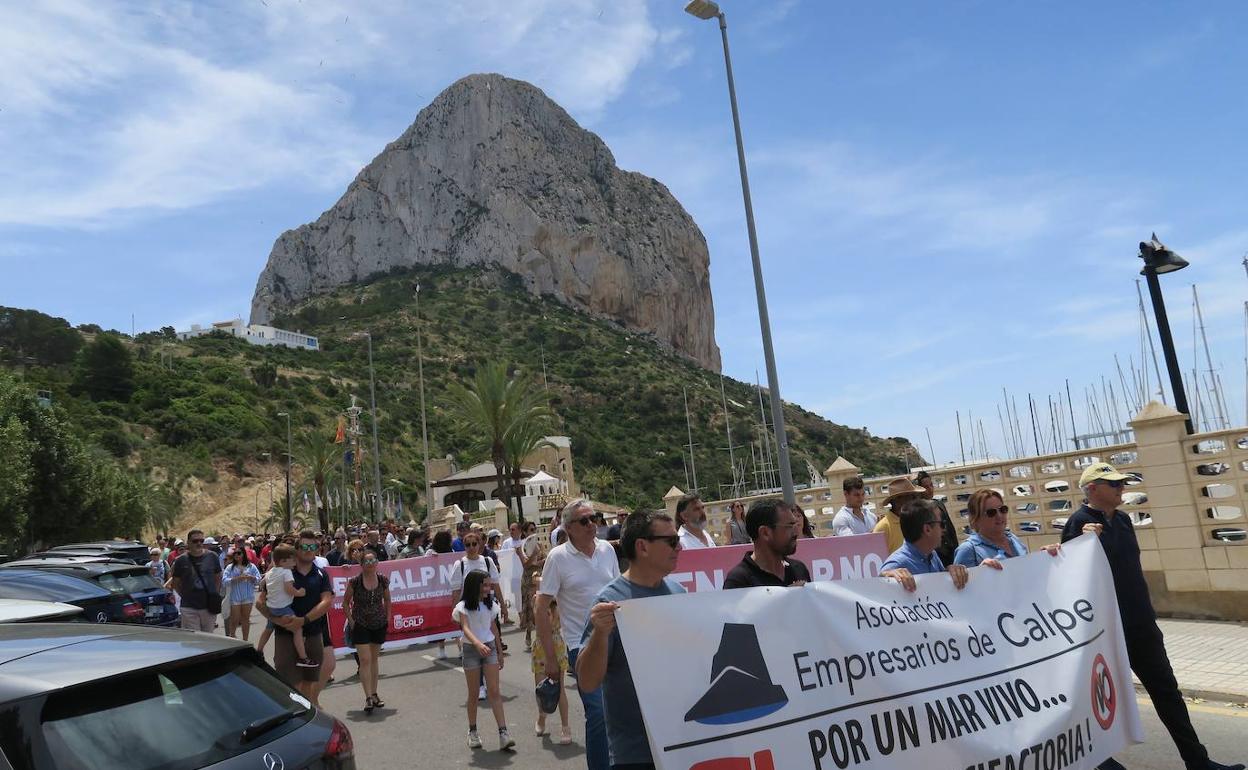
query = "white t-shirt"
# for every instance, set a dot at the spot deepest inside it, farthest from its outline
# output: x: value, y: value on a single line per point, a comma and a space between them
x: 480, y: 620
x: 846, y: 523
x: 275, y: 594
x: 509, y: 544
x: 320, y: 561
x: 575, y: 579
x: 689, y: 540
x: 554, y: 534
x: 466, y: 565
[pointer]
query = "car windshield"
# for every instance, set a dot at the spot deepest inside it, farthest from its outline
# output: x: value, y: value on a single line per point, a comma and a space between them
x: 128, y: 582
x: 181, y: 716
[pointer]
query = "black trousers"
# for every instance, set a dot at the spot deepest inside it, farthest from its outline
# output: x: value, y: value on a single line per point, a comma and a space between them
x: 1147, y: 653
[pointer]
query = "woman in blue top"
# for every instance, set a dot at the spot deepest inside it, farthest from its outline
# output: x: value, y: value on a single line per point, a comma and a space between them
x: 990, y: 538
x: 240, y: 579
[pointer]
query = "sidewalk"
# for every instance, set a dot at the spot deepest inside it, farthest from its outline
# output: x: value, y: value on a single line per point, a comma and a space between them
x: 1210, y: 659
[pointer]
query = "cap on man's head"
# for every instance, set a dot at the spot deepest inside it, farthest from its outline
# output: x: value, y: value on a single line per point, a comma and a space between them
x: 493, y: 533
x: 1101, y: 472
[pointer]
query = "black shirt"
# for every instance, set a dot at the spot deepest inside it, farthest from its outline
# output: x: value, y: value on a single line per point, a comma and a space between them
x: 1123, y: 552
x: 948, y: 536
x: 335, y: 557
x: 747, y: 574
x: 379, y: 549
x: 315, y: 583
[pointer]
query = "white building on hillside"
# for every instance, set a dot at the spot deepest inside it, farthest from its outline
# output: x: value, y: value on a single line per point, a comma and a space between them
x: 256, y: 334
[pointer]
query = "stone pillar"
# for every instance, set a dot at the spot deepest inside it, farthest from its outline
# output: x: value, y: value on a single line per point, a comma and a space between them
x: 671, y: 498
x: 499, y: 509
x: 837, y: 472
x: 1174, y: 542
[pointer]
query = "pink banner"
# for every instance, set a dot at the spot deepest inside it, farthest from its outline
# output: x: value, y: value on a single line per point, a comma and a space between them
x: 827, y: 558
x: 420, y: 588
x: 420, y: 600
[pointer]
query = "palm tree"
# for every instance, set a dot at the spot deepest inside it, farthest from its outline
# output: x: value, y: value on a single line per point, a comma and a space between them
x: 521, y: 440
x: 599, y: 479
x: 319, y: 456
x: 280, y: 519
x: 491, y: 406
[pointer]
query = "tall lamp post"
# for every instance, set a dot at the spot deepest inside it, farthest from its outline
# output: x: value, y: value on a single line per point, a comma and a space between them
x: 1159, y: 260
x: 705, y: 9
x: 424, y: 430
x: 288, y: 447
x: 372, y: 399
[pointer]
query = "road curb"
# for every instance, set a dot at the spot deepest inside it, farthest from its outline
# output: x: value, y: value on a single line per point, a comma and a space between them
x: 1207, y: 695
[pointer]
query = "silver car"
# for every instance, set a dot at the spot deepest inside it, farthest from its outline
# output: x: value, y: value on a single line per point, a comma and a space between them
x: 110, y: 696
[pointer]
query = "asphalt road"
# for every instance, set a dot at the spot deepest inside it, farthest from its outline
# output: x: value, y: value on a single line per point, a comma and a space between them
x: 424, y: 725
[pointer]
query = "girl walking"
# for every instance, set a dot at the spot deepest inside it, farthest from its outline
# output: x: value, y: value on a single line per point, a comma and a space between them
x: 240, y: 580
x: 539, y: 673
x: 477, y: 612
x: 367, y: 607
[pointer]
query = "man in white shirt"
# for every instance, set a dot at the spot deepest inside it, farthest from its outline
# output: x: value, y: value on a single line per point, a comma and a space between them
x: 853, y: 518
x: 513, y: 539
x: 691, y: 515
x: 574, y: 574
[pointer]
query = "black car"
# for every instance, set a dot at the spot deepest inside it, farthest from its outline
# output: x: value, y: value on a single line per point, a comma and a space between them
x: 99, y: 605
x: 126, y: 550
x: 104, y: 697
x: 119, y: 577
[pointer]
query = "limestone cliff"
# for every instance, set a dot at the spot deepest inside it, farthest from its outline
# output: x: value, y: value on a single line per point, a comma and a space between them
x: 493, y: 172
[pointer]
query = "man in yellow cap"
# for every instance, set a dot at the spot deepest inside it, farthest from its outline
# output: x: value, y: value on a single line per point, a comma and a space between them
x: 901, y: 492
x: 1102, y: 485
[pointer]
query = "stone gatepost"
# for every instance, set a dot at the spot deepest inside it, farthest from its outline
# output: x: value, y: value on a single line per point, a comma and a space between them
x: 837, y: 472
x: 671, y: 498
x: 1173, y: 543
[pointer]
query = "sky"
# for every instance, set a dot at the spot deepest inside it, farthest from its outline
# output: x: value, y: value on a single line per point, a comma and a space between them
x: 949, y: 196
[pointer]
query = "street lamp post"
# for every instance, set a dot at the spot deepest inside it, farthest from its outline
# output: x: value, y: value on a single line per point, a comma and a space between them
x: 424, y: 430
x: 1159, y: 260
x: 288, y: 448
x: 372, y: 398
x: 705, y: 9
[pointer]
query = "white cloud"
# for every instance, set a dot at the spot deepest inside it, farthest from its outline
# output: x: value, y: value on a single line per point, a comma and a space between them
x: 113, y: 112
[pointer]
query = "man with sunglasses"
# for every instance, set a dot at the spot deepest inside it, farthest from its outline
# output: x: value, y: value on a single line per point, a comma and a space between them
x: 309, y: 620
x: 948, y: 533
x: 774, y: 528
x: 196, y: 574
x: 1102, y: 485
x: 651, y: 544
x: 920, y: 526
x: 575, y: 573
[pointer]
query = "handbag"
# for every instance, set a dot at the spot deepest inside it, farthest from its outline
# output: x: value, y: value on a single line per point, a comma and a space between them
x: 213, y: 599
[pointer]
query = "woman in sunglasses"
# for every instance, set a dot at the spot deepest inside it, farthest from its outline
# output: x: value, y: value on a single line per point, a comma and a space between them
x: 990, y: 535
x: 366, y: 604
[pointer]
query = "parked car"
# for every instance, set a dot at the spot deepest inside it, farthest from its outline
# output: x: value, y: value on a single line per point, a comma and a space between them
x: 127, y: 550
x: 103, y: 697
x: 99, y: 605
x: 118, y: 577
x: 32, y: 611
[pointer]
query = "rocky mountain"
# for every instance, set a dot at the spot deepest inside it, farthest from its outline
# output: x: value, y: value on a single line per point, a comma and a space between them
x: 494, y: 173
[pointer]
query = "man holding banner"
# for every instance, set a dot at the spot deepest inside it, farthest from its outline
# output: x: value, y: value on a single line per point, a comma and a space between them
x: 1103, y: 485
x: 773, y: 528
x: 651, y: 545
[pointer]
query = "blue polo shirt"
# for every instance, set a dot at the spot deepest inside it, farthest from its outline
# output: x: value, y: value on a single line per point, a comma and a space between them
x: 975, y: 549
x: 909, y: 557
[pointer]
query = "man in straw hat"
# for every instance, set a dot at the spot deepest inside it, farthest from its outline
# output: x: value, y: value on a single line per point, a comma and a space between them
x: 901, y: 492
x: 1102, y: 486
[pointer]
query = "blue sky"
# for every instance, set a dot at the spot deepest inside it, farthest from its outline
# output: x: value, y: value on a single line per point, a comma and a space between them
x: 948, y: 195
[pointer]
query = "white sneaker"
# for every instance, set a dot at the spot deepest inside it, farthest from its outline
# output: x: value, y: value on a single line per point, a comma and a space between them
x: 474, y: 740
x: 481, y: 694
x: 441, y: 653
x: 505, y: 741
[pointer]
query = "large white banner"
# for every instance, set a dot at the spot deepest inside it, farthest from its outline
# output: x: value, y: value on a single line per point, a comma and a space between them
x: 1024, y: 668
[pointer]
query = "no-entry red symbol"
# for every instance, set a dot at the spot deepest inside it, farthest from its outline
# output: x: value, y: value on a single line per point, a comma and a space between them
x: 1104, y: 696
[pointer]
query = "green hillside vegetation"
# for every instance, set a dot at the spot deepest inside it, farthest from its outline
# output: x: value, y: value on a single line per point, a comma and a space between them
x: 168, y: 410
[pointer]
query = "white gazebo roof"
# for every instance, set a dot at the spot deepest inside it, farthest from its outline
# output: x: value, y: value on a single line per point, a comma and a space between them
x: 542, y: 477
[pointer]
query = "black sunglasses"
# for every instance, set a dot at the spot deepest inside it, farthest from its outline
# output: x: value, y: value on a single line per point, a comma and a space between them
x: 1116, y: 483
x: 671, y: 540
x: 992, y: 512
x: 584, y: 520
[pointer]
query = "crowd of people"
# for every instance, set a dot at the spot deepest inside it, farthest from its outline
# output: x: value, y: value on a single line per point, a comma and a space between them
x: 573, y: 579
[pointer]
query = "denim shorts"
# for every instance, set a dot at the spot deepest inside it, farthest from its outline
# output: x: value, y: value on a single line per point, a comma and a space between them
x: 473, y: 660
x: 280, y: 612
